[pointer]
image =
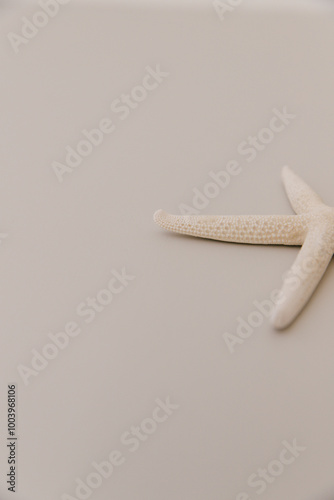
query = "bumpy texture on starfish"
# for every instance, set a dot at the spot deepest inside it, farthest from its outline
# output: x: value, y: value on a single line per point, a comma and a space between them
x: 312, y: 227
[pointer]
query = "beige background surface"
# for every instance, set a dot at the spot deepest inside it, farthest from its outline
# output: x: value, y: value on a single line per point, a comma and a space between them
x: 163, y: 335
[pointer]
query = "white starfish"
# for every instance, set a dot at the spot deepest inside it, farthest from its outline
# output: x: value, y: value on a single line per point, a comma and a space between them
x: 312, y: 227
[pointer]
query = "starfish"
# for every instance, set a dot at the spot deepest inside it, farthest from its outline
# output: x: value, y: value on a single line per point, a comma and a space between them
x: 312, y: 228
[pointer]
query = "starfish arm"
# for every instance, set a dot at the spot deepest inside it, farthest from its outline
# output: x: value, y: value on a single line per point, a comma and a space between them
x: 254, y: 229
x: 302, y: 198
x: 303, y: 277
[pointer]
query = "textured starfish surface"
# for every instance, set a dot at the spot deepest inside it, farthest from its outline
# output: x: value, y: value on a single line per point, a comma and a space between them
x: 312, y: 227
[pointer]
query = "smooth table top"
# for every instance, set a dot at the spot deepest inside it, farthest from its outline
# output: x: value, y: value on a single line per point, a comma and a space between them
x: 158, y: 331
